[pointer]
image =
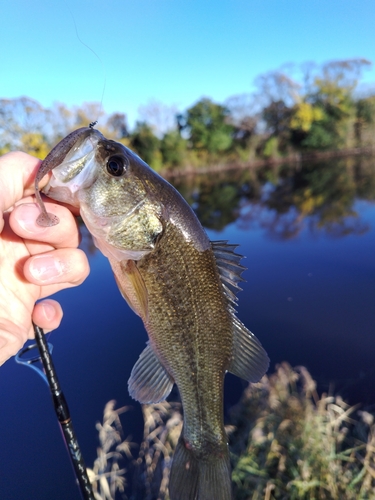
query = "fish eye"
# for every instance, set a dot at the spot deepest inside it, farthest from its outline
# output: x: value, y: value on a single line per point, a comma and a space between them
x: 116, y: 166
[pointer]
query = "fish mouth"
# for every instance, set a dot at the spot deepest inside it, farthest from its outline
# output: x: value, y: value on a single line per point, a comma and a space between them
x: 77, y: 171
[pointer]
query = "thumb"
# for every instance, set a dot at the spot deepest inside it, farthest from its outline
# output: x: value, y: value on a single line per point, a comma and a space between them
x: 17, y: 174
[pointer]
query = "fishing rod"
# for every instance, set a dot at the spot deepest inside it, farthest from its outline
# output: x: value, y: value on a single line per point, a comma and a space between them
x: 61, y: 408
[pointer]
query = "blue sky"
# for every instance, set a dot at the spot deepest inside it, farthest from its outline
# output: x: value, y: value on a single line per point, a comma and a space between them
x: 173, y: 51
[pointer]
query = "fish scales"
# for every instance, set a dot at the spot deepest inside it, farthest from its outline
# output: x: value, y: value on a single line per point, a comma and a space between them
x: 190, y: 329
x: 181, y: 285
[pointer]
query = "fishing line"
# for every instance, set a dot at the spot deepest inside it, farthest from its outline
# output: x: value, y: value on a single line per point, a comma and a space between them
x: 93, y: 123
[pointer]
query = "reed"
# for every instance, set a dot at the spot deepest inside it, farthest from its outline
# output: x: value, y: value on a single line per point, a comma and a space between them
x: 286, y: 443
x: 106, y: 476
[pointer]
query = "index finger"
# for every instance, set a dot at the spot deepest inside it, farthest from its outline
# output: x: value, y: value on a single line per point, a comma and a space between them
x: 65, y: 235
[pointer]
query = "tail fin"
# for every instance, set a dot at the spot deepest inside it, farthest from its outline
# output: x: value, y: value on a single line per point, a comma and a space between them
x: 193, y: 479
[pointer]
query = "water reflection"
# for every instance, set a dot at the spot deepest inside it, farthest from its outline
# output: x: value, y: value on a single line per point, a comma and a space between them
x: 309, y: 300
x: 284, y: 200
x: 310, y: 282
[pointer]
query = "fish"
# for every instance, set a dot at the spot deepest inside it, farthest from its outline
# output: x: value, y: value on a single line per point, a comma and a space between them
x: 181, y: 284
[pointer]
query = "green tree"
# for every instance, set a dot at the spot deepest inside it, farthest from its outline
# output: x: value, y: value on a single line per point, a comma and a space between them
x: 209, y: 130
x: 173, y: 149
x: 276, y: 116
x: 146, y: 145
x: 332, y: 93
x: 365, y: 116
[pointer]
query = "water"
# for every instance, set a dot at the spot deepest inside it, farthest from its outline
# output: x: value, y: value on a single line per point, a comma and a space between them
x: 309, y: 238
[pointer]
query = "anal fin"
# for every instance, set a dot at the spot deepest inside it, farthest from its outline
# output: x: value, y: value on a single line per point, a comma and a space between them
x: 149, y: 381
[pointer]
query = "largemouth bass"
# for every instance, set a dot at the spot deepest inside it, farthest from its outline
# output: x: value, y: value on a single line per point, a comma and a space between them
x: 182, y: 286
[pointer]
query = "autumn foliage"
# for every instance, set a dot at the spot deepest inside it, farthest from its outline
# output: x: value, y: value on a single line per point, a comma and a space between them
x: 293, y: 110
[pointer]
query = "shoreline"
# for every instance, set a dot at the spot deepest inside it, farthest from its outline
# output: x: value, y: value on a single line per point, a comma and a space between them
x: 295, y: 158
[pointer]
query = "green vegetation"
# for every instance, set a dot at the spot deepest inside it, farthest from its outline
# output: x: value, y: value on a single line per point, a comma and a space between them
x: 286, y: 443
x: 321, y: 109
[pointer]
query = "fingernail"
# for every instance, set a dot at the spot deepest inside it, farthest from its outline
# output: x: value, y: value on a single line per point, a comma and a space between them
x: 26, y: 217
x: 45, y: 268
x: 48, y: 311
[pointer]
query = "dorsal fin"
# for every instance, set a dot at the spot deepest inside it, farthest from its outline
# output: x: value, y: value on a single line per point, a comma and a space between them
x: 230, y: 269
x: 249, y: 359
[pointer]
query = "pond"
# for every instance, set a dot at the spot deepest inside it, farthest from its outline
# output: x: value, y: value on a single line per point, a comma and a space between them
x: 308, y: 234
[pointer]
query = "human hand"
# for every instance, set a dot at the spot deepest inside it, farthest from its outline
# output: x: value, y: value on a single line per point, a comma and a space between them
x: 35, y: 261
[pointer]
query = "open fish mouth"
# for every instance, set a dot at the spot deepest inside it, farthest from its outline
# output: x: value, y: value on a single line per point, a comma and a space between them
x: 77, y: 171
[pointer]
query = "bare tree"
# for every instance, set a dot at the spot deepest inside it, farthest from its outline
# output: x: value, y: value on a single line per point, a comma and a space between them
x: 160, y: 117
x: 243, y: 115
x: 117, y: 124
x: 276, y: 86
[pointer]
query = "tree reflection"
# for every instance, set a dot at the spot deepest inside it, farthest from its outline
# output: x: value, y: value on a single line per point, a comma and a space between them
x: 282, y: 200
x: 314, y: 196
x: 217, y: 199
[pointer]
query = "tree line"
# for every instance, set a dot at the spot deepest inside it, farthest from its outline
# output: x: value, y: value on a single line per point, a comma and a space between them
x: 321, y: 109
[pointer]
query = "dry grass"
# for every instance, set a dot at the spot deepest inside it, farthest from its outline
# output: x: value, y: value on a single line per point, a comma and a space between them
x: 286, y: 443
x: 290, y: 444
x: 162, y: 428
x: 106, y: 476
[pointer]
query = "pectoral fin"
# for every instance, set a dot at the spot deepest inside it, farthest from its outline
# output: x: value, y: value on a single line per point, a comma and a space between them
x: 149, y: 381
x: 131, y: 286
x: 250, y: 360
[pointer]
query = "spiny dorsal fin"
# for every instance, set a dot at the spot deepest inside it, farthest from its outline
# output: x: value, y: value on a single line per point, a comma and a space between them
x: 249, y: 360
x: 230, y: 269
